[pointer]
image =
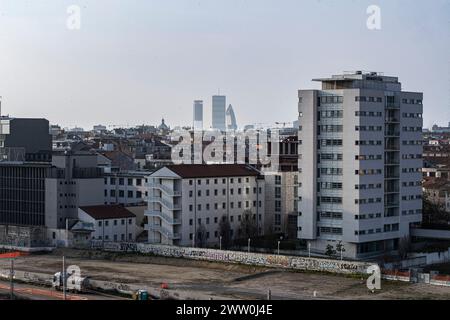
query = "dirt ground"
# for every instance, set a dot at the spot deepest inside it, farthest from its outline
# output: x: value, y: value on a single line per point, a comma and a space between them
x: 224, y: 280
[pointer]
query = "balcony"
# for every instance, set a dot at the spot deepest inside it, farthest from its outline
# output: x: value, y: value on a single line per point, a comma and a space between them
x: 165, y: 189
x: 154, y: 227
x: 168, y: 204
x: 392, y: 147
x: 392, y: 120
x: 392, y: 133
x: 164, y: 216
x: 163, y: 231
x: 392, y: 105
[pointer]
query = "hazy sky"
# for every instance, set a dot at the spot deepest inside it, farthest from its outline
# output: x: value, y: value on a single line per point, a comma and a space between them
x: 136, y: 61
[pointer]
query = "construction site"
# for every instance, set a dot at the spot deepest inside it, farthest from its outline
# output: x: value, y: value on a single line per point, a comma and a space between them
x: 119, y: 275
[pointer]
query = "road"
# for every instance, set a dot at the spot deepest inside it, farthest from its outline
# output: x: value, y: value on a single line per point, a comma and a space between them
x: 32, y: 292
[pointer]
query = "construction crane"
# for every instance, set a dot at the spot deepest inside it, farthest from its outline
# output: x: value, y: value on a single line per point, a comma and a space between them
x: 283, y: 123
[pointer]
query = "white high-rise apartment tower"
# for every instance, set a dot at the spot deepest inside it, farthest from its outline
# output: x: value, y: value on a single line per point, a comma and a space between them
x: 360, y: 160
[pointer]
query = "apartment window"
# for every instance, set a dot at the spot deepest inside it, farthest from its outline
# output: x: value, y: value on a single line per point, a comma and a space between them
x: 191, y: 182
x: 121, y: 181
x: 115, y: 222
x: 190, y: 208
x: 130, y: 194
x: 207, y: 220
x: 139, y: 182
x: 130, y: 182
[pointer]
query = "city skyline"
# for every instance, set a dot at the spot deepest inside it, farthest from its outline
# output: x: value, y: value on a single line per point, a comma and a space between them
x: 249, y: 50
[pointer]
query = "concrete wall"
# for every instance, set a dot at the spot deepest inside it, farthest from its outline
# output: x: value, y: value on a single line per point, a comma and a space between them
x: 259, y: 259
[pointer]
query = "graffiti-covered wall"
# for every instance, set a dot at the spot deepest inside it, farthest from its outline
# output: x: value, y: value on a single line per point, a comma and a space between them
x: 259, y: 259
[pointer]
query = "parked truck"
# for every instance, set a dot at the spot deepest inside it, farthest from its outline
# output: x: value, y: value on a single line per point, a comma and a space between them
x: 74, y: 283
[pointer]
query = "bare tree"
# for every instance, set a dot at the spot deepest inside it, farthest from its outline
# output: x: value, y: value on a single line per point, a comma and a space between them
x: 225, y: 231
x: 201, y: 236
x: 404, y: 247
x: 249, y: 226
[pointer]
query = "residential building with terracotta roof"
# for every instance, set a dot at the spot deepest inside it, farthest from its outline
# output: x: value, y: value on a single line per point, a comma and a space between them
x: 187, y: 202
x: 111, y: 222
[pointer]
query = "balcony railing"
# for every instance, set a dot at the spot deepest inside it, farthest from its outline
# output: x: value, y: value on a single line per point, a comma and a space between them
x: 163, y: 231
x: 392, y: 133
x: 392, y: 119
x: 168, y: 204
x: 164, y: 216
x: 392, y: 105
x: 164, y: 188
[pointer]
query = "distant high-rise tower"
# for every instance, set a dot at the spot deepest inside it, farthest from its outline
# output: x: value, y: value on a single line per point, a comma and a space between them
x: 198, y: 115
x: 218, y: 112
x: 231, y: 118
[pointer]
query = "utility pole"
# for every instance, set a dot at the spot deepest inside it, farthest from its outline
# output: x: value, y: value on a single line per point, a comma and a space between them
x: 12, y: 279
x: 63, y: 274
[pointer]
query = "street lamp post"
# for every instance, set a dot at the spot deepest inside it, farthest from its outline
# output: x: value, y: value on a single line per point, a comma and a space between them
x: 220, y: 242
x: 278, y: 247
x: 309, y: 249
x: 64, y: 276
x: 249, y: 245
x: 12, y: 279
